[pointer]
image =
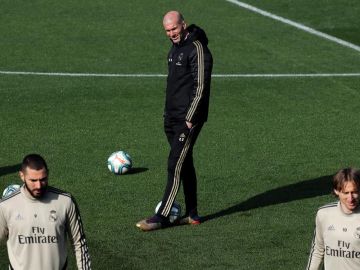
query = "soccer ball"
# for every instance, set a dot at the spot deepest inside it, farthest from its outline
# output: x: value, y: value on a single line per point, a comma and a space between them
x: 119, y: 162
x: 10, y: 189
x: 175, y: 211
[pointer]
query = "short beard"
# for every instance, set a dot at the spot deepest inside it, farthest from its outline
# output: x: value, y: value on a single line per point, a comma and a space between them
x: 32, y: 194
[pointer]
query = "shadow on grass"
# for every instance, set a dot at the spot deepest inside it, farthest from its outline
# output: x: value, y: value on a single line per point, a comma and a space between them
x: 9, y: 169
x: 298, y: 191
x: 137, y: 170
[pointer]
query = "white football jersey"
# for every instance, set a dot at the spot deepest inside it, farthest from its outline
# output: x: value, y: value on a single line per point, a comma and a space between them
x: 36, y: 230
x: 336, y: 242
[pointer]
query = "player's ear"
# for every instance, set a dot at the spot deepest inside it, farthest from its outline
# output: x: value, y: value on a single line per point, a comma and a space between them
x: 184, y: 25
x: 336, y: 192
x: 22, y: 176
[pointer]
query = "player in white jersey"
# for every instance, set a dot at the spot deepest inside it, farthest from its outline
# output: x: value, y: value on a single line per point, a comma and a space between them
x: 336, y: 242
x: 36, y: 220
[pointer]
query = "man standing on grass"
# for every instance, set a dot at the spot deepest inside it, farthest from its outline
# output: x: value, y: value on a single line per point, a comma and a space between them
x: 336, y: 242
x: 186, y: 109
x: 36, y: 219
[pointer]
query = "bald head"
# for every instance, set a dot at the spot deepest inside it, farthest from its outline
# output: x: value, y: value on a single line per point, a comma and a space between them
x: 173, y: 17
x: 175, y: 26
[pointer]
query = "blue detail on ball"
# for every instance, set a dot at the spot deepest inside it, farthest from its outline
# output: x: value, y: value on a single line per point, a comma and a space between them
x: 10, y: 190
x: 119, y: 162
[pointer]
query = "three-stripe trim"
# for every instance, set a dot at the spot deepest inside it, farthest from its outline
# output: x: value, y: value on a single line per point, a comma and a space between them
x: 85, y: 261
x: 312, y: 249
x: 200, y: 80
x: 176, y: 182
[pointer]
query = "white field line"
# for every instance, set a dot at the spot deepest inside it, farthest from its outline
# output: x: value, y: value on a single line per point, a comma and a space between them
x: 295, y: 75
x: 295, y: 24
x: 66, y: 74
x: 139, y: 75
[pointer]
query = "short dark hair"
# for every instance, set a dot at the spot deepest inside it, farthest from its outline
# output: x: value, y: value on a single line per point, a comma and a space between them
x: 35, y: 162
x: 181, y: 18
x: 344, y: 176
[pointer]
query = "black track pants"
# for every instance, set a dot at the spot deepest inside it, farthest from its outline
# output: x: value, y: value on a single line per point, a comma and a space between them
x: 180, y: 165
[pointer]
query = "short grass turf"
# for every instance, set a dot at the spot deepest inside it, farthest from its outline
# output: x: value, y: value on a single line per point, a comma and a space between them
x: 264, y: 158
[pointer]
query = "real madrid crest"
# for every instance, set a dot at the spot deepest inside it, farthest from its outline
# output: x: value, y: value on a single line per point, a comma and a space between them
x: 182, y: 137
x: 357, y: 233
x: 52, y: 216
x: 179, y: 59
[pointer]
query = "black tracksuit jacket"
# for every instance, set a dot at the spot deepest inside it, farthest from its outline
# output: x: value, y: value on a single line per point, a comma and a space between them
x: 189, y: 76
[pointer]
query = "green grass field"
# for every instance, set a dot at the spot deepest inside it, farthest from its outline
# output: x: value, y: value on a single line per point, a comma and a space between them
x: 265, y: 157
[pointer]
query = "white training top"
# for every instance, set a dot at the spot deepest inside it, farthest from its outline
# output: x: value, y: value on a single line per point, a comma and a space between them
x: 36, y: 230
x: 336, y: 241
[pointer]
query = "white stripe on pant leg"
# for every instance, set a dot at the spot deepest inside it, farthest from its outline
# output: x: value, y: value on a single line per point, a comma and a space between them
x: 176, y: 183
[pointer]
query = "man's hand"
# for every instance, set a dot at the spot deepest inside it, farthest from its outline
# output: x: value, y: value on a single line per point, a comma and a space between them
x: 189, y: 124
